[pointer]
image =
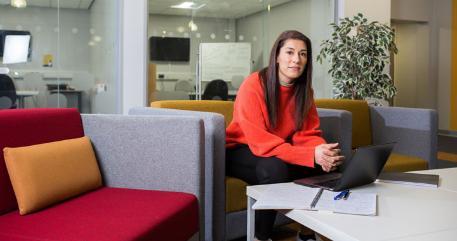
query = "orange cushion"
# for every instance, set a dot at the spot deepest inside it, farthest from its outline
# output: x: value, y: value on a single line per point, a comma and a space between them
x: 224, y: 108
x: 403, y: 163
x: 44, y: 174
x: 361, y: 122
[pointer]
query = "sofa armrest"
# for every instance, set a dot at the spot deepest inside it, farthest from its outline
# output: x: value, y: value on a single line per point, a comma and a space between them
x: 415, y: 131
x: 214, y: 125
x: 336, y: 126
x: 154, y: 153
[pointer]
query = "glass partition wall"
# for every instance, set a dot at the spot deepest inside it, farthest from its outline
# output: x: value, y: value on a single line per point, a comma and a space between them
x: 226, y: 40
x: 73, y: 54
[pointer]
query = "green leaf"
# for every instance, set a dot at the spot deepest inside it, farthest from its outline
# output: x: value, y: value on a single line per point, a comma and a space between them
x: 357, y: 62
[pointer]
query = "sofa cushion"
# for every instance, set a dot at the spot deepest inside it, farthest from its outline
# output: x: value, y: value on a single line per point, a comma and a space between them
x: 361, y: 122
x: 224, y: 108
x: 24, y: 127
x: 48, y: 173
x: 402, y: 163
x: 108, y: 214
x: 235, y: 194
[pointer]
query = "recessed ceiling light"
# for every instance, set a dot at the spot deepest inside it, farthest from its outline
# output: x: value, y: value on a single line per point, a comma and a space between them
x: 188, y: 5
x: 19, y: 3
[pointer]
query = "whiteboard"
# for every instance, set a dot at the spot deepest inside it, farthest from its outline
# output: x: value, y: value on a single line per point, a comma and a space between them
x: 224, y: 60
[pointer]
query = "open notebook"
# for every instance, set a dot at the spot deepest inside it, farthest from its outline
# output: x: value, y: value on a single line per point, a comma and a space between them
x: 293, y: 196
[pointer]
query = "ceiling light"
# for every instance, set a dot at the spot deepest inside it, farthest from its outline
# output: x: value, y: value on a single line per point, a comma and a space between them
x: 193, y: 27
x: 188, y: 5
x: 184, y: 5
x: 19, y: 3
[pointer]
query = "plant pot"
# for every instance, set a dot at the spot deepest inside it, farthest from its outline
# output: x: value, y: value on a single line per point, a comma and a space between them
x: 376, y: 102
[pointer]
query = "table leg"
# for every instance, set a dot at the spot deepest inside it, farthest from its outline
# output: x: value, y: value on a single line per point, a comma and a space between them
x: 20, y: 102
x: 251, y: 220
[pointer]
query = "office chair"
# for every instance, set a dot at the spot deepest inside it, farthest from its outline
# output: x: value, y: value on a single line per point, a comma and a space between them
x: 184, y: 85
x: 216, y: 90
x: 7, y: 90
x: 56, y: 100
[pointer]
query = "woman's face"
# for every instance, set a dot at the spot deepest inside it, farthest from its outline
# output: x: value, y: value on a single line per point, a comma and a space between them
x: 291, y: 60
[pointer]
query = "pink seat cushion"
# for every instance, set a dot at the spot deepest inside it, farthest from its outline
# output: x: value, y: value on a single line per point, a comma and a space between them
x: 108, y: 214
x: 24, y: 127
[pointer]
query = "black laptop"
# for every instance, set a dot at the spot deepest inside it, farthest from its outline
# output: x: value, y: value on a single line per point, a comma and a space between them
x: 363, y: 168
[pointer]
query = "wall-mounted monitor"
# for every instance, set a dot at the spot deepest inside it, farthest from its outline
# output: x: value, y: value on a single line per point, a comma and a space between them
x: 169, y: 49
x: 15, y: 46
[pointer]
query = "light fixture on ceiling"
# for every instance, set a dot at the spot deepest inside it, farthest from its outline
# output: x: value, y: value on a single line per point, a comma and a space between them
x: 188, y: 5
x: 193, y: 27
x: 19, y: 3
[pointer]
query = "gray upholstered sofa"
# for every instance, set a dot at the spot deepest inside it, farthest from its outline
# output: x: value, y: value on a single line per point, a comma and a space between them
x: 161, y: 155
x: 152, y: 153
x: 219, y: 225
x: 414, y: 130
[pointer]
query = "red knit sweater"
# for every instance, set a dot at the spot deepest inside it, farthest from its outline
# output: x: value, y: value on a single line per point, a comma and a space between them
x: 250, y: 122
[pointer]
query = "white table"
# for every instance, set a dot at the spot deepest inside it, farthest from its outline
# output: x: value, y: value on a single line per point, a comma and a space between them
x: 22, y: 94
x: 405, y: 213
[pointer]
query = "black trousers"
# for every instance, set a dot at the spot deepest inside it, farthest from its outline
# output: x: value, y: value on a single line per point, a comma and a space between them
x: 242, y: 164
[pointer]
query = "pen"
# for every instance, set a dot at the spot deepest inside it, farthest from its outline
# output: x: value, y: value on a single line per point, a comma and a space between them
x: 316, y: 198
x: 346, y: 196
x: 342, y: 194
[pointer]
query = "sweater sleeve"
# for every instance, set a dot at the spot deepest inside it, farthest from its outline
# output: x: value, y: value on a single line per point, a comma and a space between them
x: 310, y: 134
x: 248, y: 109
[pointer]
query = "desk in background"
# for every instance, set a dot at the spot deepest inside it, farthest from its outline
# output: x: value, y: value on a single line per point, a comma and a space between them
x: 74, y: 97
x: 22, y: 94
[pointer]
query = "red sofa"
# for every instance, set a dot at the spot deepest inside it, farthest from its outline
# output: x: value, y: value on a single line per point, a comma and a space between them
x: 122, y: 209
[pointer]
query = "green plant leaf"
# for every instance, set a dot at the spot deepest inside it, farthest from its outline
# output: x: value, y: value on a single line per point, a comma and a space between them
x: 357, y: 62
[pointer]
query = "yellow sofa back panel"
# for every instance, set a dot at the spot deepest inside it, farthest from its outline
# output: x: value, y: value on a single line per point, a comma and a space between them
x: 224, y: 108
x: 361, y: 123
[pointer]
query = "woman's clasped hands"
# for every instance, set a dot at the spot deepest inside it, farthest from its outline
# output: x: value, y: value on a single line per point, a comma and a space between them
x: 328, y: 156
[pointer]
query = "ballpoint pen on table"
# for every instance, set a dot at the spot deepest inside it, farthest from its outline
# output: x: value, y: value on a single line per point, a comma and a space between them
x: 316, y: 198
x: 344, y: 194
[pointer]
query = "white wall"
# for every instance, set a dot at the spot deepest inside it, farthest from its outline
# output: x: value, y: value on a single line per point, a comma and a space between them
x: 311, y: 17
x: 377, y: 10
x: 411, y: 75
x: 426, y: 69
x: 441, y: 45
x: 105, y: 57
x: 444, y: 78
x: 42, y: 23
x: 412, y: 10
x: 172, y: 25
x: 133, y: 54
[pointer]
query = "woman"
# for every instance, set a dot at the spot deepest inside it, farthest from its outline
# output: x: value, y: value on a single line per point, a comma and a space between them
x: 274, y: 135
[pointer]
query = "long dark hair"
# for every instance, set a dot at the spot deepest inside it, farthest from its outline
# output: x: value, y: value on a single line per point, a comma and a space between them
x: 303, y: 90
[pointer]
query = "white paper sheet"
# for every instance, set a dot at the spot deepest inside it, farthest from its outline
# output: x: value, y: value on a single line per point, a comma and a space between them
x: 291, y: 197
x: 357, y: 203
x: 301, y: 197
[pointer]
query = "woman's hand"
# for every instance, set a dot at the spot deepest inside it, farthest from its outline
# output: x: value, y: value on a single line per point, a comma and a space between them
x: 328, y: 156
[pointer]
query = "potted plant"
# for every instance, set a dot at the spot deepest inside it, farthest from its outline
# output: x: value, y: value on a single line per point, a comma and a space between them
x: 358, y: 52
